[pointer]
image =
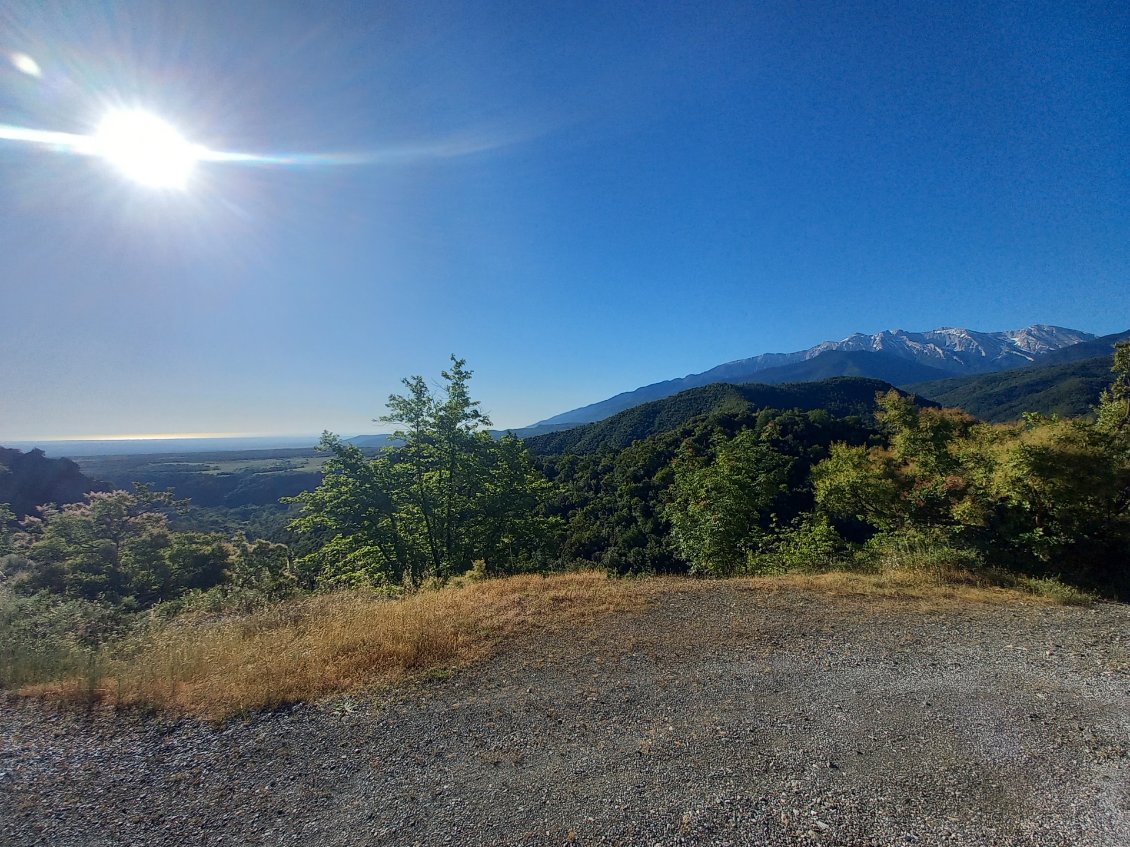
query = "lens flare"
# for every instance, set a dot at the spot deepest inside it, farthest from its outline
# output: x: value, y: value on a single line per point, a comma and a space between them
x: 151, y: 152
x: 23, y: 63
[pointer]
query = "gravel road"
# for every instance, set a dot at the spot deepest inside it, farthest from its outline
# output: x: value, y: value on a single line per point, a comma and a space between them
x: 722, y: 715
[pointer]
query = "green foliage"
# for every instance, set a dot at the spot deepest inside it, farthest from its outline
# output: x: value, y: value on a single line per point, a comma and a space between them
x: 808, y: 544
x: 720, y: 510
x: 839, y: 397
x: 1114, y: 404
x: 356, y: 517
x: 444, y: 456
x: 1067, y: 390
x: 446, y: 496
x: 613, y: 503
x: 1047, y: 497
x: 1050, y: 587
x: 261, y: 566
x: 859, y: 484
x: 7, y: 521
x: 117, y: 548
x: 513, y: 530
x: 44, y: 637
x: 931, y: 551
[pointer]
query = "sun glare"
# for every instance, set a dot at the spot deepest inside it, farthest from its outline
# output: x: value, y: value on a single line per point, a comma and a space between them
x: 146, y: 149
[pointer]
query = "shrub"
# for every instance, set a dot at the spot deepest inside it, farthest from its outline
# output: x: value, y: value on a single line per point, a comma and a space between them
x: 44, y: 638
x: 932, y: 552
x: 809, y: 544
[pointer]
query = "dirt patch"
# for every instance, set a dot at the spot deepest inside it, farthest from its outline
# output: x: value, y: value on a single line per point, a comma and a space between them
x: 721, y: 714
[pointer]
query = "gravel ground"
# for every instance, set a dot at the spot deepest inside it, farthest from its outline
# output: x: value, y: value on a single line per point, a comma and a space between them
x: 718, y: 716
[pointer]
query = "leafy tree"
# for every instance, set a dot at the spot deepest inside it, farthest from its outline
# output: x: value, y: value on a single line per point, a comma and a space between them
x: 1047, y: 496
x: 721, y: 511
x: 922, y: 437
x: 1114, y: 406
x: 859, y: 484
x: 445, y: 449
x: 445, y: 495
x: 513, y: 529
x: 263, y: 566
x: 117, y: 547
x: 366, y: 524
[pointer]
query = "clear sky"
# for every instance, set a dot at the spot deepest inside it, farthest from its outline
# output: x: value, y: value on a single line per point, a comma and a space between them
x: 578, y: 198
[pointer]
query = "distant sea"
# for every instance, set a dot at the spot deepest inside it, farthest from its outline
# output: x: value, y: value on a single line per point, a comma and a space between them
x: 136, y: 446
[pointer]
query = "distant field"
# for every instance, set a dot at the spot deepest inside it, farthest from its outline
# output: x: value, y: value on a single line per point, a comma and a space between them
x: 217, y: 478
x: 214, y: 462
x: 107, y: 447
x: 267, y: 464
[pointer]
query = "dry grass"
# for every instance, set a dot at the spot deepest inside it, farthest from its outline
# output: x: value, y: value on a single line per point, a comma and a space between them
x: 320, y: 645
x: 315, y: 646
x: 925, y: 590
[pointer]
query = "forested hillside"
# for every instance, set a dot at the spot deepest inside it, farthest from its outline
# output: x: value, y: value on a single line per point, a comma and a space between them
x: 1102, y: 346
x: 1068, y: 390
x: 862, y: 363
x: 895, y: 356
x: 28, y: 480
x: 841, y: 396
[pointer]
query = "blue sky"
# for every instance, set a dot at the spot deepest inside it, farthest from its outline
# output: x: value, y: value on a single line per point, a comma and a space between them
x: 577, y: 198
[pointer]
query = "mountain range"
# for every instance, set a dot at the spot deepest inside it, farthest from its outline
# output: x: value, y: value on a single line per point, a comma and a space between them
x: 895, y: 356
x: 1065, y: 382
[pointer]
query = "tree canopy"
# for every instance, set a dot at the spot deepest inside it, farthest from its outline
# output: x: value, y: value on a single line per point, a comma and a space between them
x: 444, y: 497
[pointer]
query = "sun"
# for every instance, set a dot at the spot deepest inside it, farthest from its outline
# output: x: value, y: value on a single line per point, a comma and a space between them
x: 146, y: 149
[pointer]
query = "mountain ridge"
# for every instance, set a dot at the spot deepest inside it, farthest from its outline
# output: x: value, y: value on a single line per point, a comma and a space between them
x: 840, y: 396
x: 951, y: 351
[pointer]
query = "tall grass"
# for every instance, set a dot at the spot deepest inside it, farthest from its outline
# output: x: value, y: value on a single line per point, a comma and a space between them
x: 45, y: 638
x: 932, y: 558
x: 310, y: 647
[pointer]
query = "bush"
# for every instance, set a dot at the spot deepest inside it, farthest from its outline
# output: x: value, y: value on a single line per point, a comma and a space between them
x: 809, y: 544
x: 931, y: 552
x: 43, y: 638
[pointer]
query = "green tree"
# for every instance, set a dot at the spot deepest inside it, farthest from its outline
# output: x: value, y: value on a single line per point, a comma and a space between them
x: 1114, y: 406
x: 117, y: 547
x: 1063, y: 490
x: 445, y: 447
x: 860, y: 484
x: 262, y: 566
x: 513, y: 528
x: 1048, y: 496
x: 366, y: 518
x: 444, y: 495
x: 721, y: 510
